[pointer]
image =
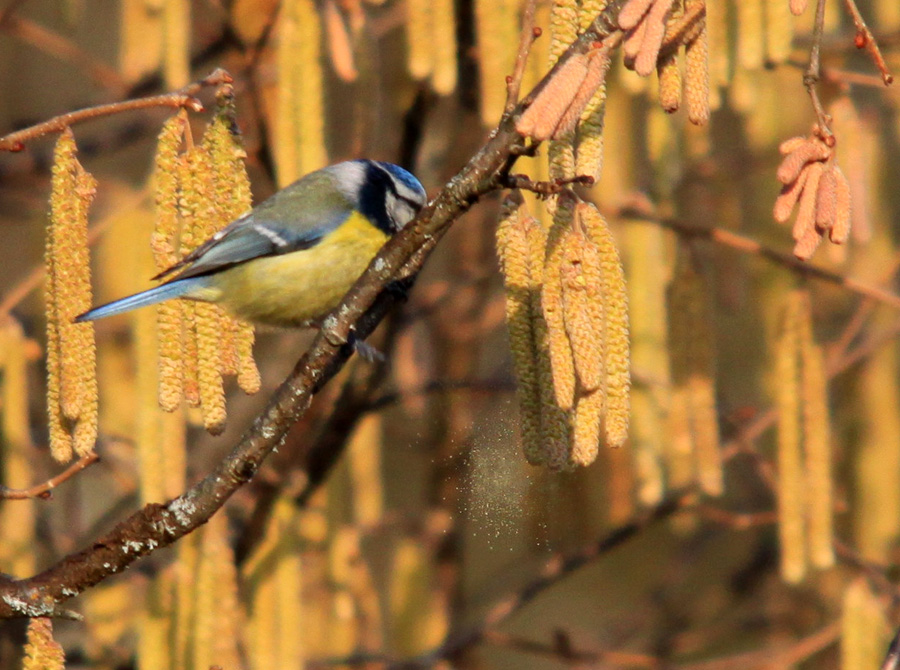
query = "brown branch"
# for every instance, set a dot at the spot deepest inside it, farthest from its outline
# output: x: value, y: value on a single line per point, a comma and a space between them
x: 555, y: 569
x: 865, y: 39
x: 687, y: 29
x: 892, y: 657
x: 159, y: 525
x: 876, y: 573
x: 8, y: 11
x: 813, y: 72
x: 529, y: 34
x: 565, y: 652
x: 750, y: 246
x: 45, y: 490
x: 544, y: 189
x: 737, y: 520
x: 807, y: 647
x: 44, y: 39
x: 837, y: 75
x: 766, y: 658
x: 183, y: 98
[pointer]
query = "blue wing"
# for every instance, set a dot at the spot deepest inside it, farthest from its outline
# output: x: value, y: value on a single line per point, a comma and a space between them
x: 296, y: 218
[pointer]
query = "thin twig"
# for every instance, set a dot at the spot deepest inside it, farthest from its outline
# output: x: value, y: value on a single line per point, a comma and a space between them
x: 9, y: 10
x: 837, y: 75
x: 892, y: 658
x: 686, y: 30
x: 183, y: 98
x: 876, y: 573
x: 737, y: 520
x: 362, y: 309
x: 865, y: 39
x: 813, y: 73
x: 807, y: 647
x: 864, y: 350
x: 854, y: 326
x: 544, y: 189
x: 750, y: 246
x: 45, y: 490
x: 44, y: 39
x: 766, y: 658
x: 529, y: 34
x: 553, y: 571
x: 573, y: 656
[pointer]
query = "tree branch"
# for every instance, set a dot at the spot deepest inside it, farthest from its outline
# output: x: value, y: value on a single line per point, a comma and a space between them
x: 748, y: 245
x: 811, y: 76
x: 554, y: 570
x: 865, y: 39
x: 159, y: 525
x: 54, y: 44
x: 528, y: 35
x: 178, y: 99
x: 45, y: 490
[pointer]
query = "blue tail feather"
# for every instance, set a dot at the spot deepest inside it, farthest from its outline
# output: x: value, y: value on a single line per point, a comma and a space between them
x: 175, y: 289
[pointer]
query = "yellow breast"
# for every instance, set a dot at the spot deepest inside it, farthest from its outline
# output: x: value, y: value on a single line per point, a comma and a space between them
x: 295, y: 288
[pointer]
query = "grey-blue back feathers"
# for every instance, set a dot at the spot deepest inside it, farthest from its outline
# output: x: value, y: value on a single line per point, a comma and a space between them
x: 295, y: 218
x: 302, y: 213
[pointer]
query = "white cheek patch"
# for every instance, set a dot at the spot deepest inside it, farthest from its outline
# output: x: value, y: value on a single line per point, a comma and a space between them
x: 407, y: 215
x: 399, y: 211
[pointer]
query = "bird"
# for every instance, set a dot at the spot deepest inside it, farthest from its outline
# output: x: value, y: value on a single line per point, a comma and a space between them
x: 289, y: 261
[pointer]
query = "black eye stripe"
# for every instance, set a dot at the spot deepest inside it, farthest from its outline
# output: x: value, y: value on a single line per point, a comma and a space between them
x: 392, y: 186
x: 378, y: 185
x: 402, y: 198
x: 372, y: 202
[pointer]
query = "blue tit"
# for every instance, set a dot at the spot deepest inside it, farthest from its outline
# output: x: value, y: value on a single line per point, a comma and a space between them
x: 291, y: 259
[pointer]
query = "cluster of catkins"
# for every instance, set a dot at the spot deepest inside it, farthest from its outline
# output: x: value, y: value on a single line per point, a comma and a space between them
x: 558, y: 107
x: 644, y: 23
x: 648, y: 25
x: 814, y: 184
x: 72, y: 393
x: 805, y: 490
x: 198, y: 190
x: 566, y: 309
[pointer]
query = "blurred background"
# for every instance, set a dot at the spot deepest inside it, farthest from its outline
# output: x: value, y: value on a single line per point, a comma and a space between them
x: 431, y: 518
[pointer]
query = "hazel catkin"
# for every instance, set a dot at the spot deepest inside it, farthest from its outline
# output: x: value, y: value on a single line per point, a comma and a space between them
x: 816, y: 187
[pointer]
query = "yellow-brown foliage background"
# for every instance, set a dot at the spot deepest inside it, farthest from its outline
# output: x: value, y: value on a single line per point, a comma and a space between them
x: 432, y: 515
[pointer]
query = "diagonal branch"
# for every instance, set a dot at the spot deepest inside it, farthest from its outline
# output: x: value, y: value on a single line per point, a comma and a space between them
x: 555, y: 569
x: 747, y: 245
x: 54, y: 44
x: 183, y: 98
x: 157, y: 525
x: 45, y: 490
